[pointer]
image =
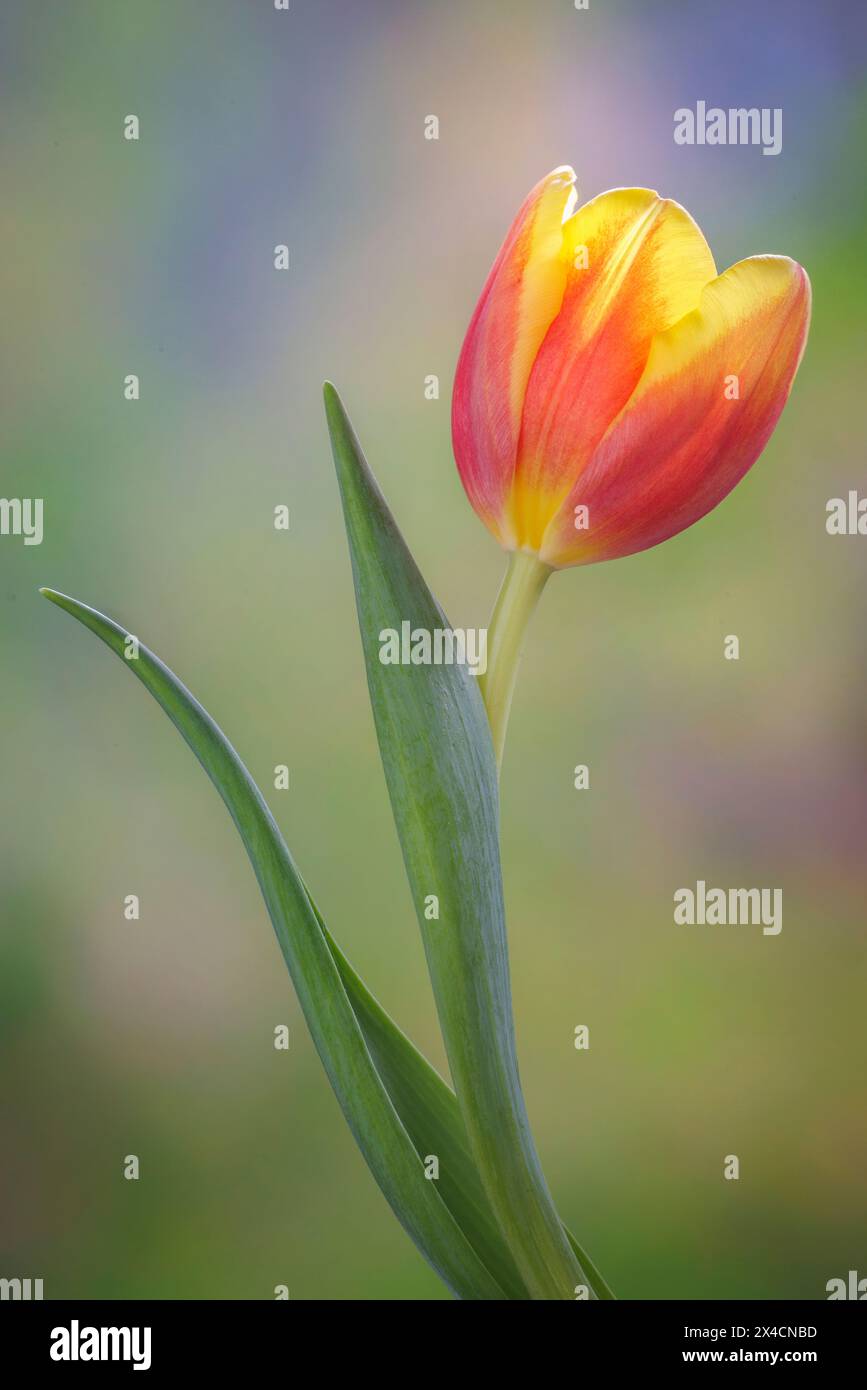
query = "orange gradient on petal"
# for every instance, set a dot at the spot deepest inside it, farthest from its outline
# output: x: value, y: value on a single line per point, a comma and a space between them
x: 590, y: 373
x: 521, y: 298
x: 710, y: 395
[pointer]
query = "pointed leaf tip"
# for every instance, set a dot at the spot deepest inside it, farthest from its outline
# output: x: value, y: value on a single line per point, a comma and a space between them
x: 315, y: 967
x: 56, y: 597
x: 334, y: 409
x: 439, y: 767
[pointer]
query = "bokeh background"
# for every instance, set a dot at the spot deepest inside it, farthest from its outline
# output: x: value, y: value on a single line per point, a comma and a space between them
x: 155, y: 1038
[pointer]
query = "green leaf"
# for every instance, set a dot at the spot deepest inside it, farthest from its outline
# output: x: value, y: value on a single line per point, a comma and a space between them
x: 432, y: 1117
x: 439, y: 765
x: 427, y: 1107
x: 381, y: 1136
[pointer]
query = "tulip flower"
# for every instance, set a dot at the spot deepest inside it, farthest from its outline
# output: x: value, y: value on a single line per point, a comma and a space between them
x: 612, y: 388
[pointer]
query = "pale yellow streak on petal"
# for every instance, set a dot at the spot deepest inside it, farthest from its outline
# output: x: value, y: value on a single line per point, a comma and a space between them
x: 543, y: 279
x: 647, y: 263
x: 746, y: 296
x: 620, y: 223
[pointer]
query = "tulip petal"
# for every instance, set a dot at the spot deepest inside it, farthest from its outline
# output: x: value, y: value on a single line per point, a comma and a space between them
x: 636, y: 263
x: 707, y: 402
x: 521, y: 298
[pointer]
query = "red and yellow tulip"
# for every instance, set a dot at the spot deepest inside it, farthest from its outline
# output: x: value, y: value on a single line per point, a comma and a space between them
x: 612, y: 387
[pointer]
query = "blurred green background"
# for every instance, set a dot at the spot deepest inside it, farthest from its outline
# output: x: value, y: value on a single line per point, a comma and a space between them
x: 156, y: 257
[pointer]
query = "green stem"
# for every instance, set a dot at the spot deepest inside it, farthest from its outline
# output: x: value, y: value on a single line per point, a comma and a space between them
x: 523, y: 582
x: 532, y: 1226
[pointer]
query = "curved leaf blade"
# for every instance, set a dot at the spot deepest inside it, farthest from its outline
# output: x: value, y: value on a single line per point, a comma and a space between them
x: 376, y: 1125
x: 432, y: 1117
x: 430, y: 1114
x: 439, y: 766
